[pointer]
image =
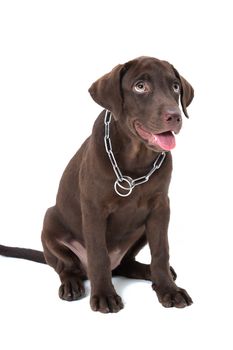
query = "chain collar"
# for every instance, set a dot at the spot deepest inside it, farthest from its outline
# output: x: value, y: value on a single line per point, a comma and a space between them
x: 124, y: 185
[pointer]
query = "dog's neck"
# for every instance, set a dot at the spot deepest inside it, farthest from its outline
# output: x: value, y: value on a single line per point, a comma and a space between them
x: 132, y: 155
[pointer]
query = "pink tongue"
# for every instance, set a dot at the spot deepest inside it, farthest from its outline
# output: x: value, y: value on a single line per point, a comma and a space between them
x: 166, y: 140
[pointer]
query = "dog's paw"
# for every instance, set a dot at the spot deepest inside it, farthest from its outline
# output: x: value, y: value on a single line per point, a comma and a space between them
x: 173, y: 297
x: 106, y: 303
x: 71, y: 290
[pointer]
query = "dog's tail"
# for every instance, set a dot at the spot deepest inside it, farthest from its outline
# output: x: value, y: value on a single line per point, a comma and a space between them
x: 23, y: 253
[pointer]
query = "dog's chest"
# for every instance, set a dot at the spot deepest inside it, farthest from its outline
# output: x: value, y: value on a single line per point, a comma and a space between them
x: 127, y: 216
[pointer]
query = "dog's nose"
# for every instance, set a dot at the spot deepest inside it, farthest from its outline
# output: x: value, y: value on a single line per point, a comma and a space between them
x: 172, y: 117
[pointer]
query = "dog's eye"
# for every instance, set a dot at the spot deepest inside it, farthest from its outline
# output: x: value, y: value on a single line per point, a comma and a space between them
x: 176, y: 87
x: 141, y: 87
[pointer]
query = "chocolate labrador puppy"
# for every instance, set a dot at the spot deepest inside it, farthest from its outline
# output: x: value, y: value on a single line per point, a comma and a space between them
x: 113, y: 196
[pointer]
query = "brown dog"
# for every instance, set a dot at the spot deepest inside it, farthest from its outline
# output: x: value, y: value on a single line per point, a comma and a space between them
x: 113, y: 195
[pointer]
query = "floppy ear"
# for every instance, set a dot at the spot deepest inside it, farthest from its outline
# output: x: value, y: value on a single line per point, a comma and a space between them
x: 187, y: 92
x: 107, y: 92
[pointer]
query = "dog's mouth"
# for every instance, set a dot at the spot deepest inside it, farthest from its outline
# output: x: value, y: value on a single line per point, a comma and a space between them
x: 165, y: 140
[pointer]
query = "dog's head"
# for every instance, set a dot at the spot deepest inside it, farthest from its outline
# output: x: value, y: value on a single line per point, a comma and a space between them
x: 143, y: 95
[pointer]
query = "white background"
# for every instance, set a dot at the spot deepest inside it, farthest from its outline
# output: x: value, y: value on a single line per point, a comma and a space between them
x: 50, y: 53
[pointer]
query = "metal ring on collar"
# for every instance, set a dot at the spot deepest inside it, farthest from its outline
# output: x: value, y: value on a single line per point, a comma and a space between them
x: 118, y: 183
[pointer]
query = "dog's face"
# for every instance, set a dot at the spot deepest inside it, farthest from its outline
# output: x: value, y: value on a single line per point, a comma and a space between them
x: 143, y: 95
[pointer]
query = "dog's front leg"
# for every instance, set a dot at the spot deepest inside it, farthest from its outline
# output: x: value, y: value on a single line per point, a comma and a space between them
x: 103, y: 295
x: 162, y: 282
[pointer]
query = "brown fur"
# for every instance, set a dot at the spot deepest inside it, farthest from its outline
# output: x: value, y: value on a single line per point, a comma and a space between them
x: 93, y: 233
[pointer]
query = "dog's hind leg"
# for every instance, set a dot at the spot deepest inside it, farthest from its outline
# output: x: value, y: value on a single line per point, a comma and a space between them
x: 131, y: 268
x: 69, y: 269
x: 65, y: 262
